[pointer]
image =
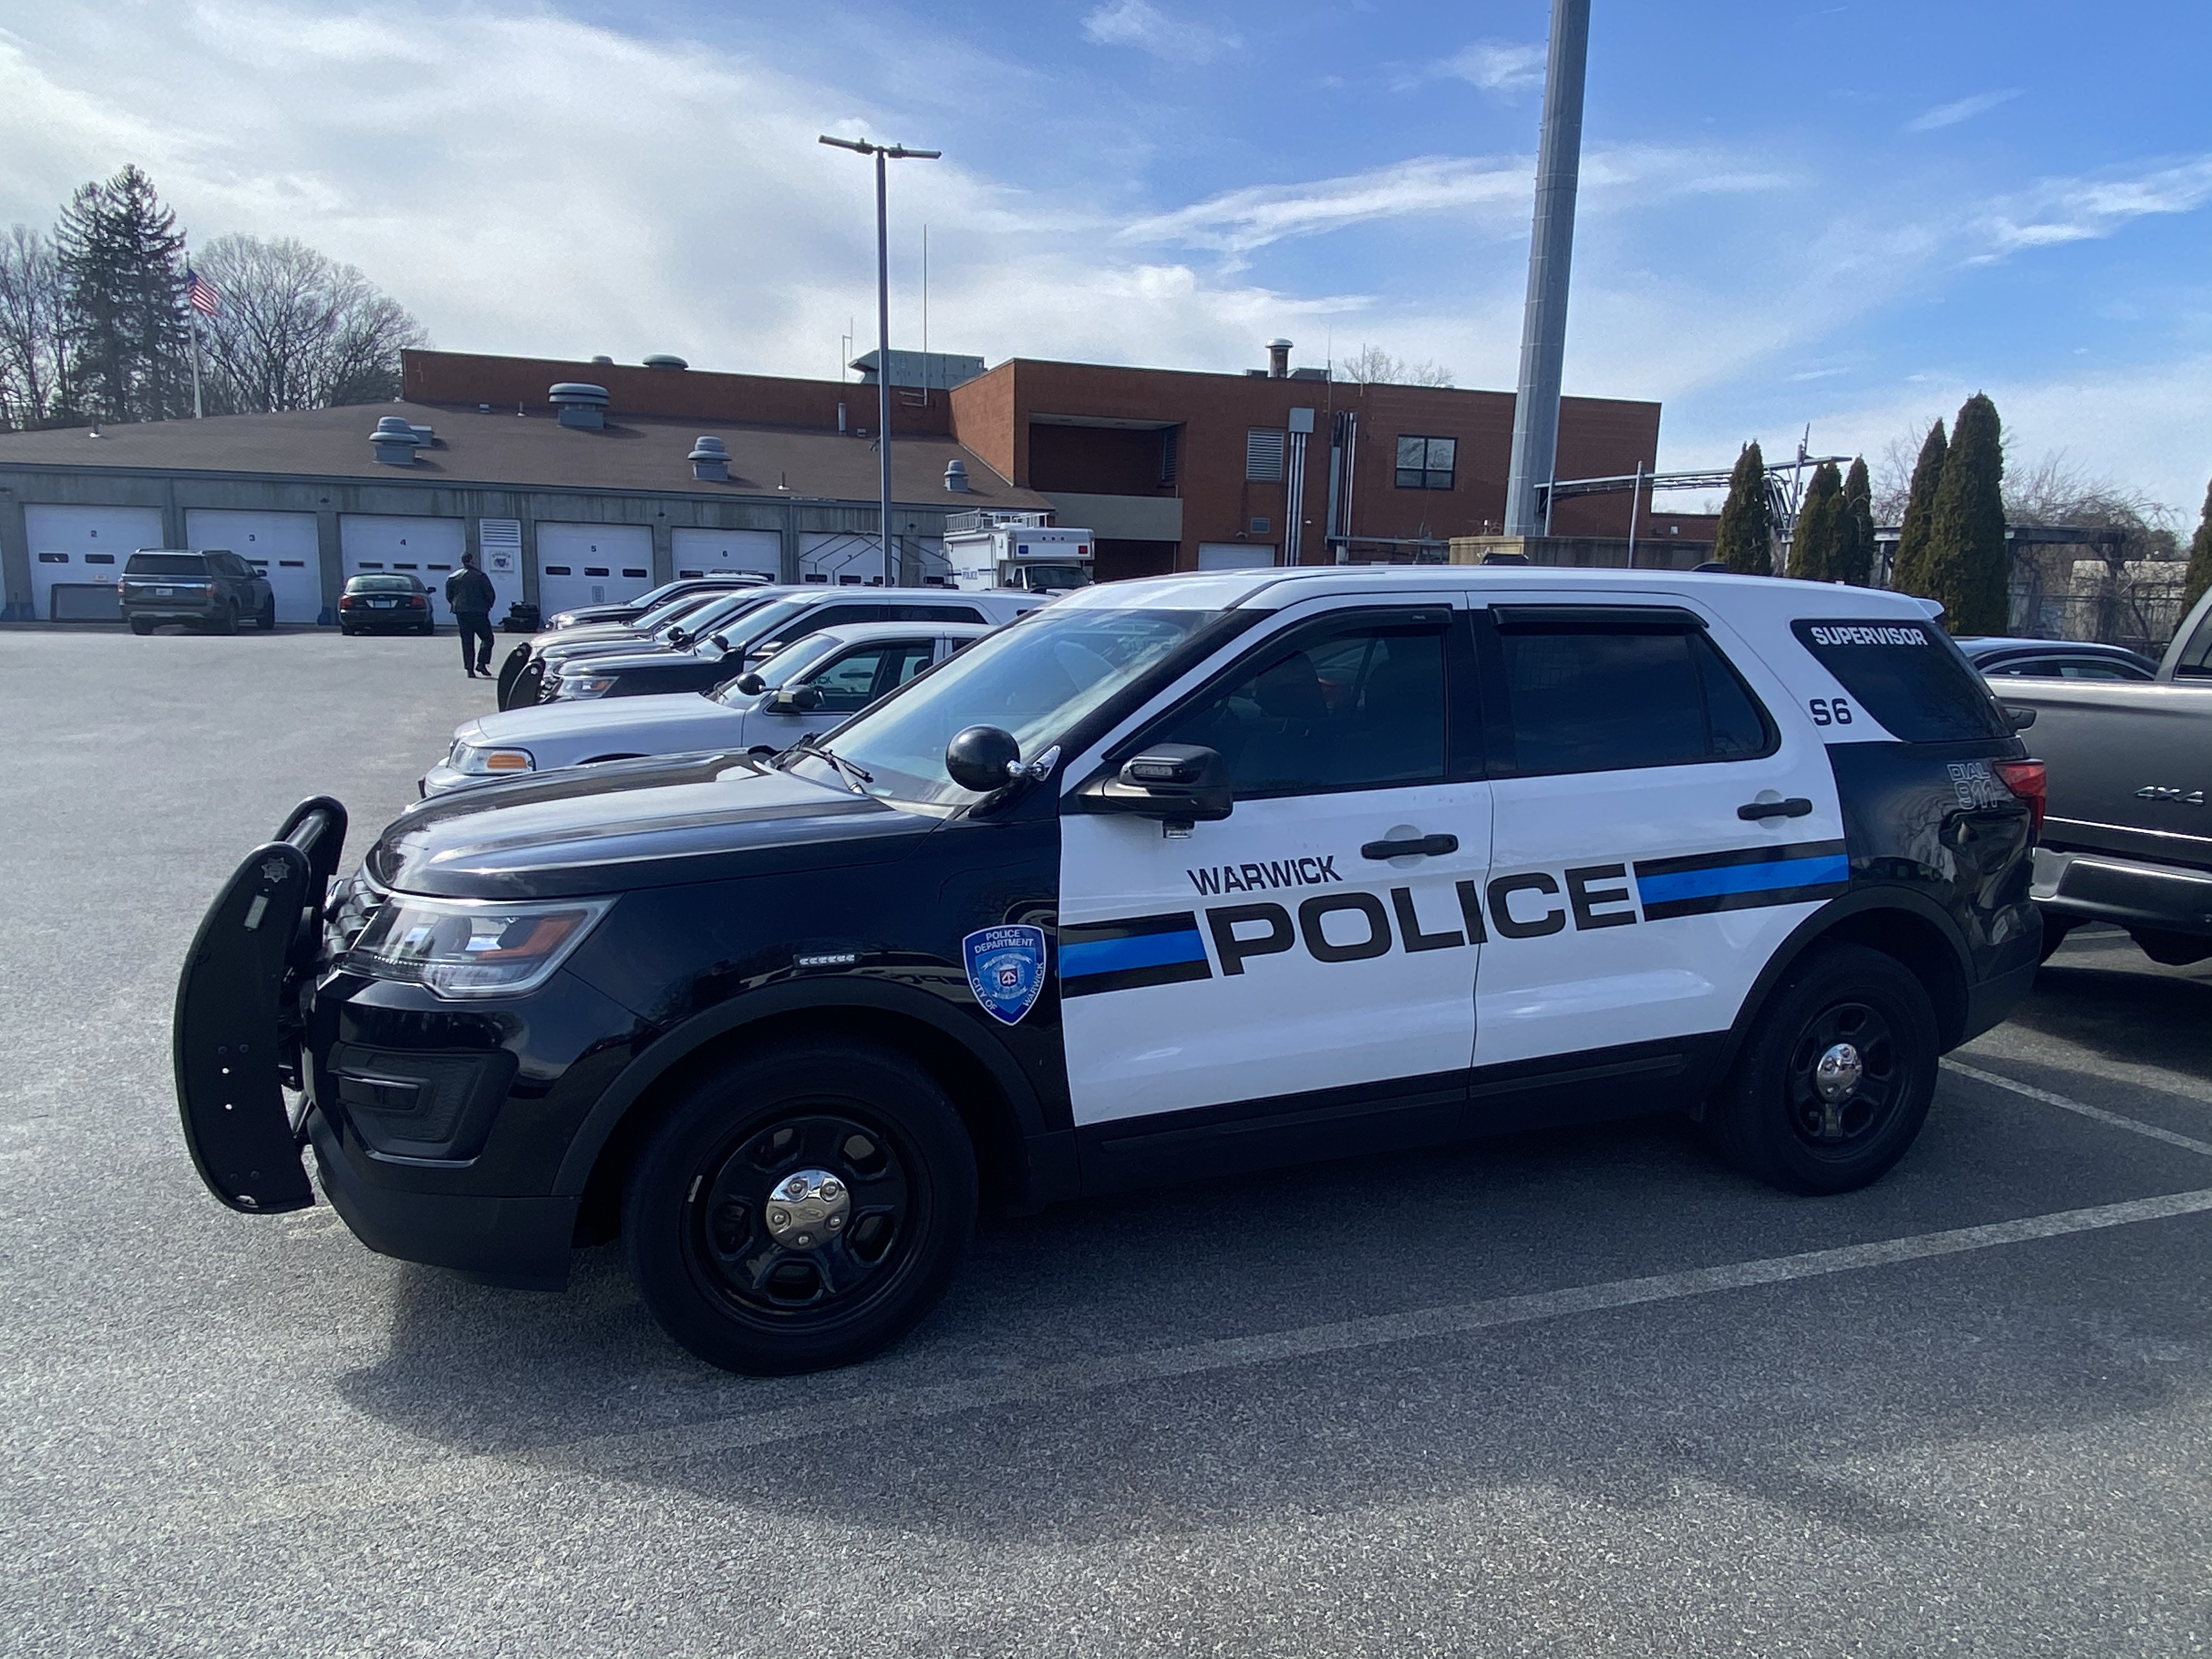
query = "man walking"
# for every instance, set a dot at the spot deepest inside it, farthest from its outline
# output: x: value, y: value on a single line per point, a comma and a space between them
x: 470, y: 594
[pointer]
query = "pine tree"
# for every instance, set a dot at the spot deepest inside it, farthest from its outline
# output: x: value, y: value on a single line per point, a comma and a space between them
x: 1745, y: 542
x: 1911, y: 574
x: 2200, y: 557
x: 1855, y: 547
x: 1816, y: 546
x: 1968, y: 559
x: 122, y: 259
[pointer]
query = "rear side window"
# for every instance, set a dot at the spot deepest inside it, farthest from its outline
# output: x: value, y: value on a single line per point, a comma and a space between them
x: 1907, y: 675
x: 1610, y: 698
x: 2196, y: 660
x: 165, y: 564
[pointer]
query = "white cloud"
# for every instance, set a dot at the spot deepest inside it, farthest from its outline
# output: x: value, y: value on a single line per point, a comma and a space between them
x: 1495, y: 193
x: 2058, y: 210
x: 1140, y: 24
x: 1965, y: 109
x: 1503, y: 66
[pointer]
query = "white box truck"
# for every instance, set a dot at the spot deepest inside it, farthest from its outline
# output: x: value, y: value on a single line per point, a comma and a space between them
x: 1016, y: 550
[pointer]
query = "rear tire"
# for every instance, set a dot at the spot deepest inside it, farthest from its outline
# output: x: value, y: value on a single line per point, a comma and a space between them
x: 715, y: 1247
x: 225, y: 621
x: 2055, y: 930
x: 142, y: 626
x: 1771, y: 1119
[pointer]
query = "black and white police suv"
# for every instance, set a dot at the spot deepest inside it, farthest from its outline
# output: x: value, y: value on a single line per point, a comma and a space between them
x: 1172, y: 877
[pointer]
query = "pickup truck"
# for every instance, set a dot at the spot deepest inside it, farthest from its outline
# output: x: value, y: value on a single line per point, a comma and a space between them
x: 2127, y: 838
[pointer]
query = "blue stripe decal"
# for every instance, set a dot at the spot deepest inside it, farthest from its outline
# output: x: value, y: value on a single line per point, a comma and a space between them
x: 1118, y: 955
x: 1743, y: 878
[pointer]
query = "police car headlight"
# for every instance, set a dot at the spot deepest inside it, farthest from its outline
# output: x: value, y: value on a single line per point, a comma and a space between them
x: 487, y: 762
x: 471, y: 947
x: 586, y: 686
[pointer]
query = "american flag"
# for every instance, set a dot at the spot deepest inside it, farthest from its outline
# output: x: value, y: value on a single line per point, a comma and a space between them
x: 200, y: 294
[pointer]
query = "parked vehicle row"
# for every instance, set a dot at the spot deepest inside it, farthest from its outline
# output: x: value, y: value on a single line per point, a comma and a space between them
x: 1164, y: 880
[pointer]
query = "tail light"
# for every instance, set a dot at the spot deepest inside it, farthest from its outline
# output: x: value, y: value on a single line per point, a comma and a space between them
x: 415, y: 601
x: 2026, y: 779
x: 345, y: 601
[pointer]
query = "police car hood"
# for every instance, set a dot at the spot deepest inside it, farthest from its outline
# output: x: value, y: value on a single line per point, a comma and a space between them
x: 654, y: 822
x: 657, y: 726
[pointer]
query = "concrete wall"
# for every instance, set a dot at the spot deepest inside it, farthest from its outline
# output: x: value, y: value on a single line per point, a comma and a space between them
x: 327, y: 498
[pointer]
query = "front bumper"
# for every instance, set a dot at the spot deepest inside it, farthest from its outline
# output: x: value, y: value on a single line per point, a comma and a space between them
x: 2126, y: 893
x: 522, y: 1242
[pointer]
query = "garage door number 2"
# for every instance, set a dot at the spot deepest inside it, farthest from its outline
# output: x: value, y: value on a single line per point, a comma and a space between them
x: 1830, y: 711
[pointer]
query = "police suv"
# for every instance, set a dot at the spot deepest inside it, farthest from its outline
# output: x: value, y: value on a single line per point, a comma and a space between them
x: 1171, y: 878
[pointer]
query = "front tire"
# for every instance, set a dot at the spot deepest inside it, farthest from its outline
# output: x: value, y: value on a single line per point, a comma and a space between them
x: 802, y: 1208
x: 266, y: 622
x: 1807, y: 1126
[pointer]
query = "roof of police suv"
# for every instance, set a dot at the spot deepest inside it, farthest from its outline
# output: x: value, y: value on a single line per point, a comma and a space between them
x: 1273, y: 587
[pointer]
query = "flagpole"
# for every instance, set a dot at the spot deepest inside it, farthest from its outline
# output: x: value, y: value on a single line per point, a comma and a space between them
x: 192, y: 315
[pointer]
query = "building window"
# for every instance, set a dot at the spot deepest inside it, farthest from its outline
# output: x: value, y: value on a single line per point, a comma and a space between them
x: 1263, y: 456
x: 1426, y: 462
x: 1168, y: 458
x: 1259, y: 526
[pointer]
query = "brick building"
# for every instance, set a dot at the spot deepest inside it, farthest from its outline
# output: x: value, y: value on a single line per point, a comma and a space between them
x: 1172, y: 470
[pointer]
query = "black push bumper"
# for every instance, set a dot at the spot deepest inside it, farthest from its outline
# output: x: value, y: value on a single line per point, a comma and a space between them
x: 234, y: 1039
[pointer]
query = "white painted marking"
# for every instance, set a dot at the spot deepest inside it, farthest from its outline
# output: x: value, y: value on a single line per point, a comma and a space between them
x: 2065, y: 1105
x: 607, y: 1457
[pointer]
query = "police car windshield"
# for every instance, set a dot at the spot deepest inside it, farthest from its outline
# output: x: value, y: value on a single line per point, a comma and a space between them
x: 717, y: 611
x: 1035, y: 678
x: 787, y: 666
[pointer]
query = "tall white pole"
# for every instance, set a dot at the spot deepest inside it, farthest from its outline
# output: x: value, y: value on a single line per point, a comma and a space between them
x: 883, y: 362
x: 1551, y: 252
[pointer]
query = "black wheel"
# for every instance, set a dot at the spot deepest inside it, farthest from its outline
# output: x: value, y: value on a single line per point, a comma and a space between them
x: 225, y: 620
x: 1836, y: 1078
x: 266, y: 622
x: 428, y: 627
x: 142, y: 625
x: 801, y: 1209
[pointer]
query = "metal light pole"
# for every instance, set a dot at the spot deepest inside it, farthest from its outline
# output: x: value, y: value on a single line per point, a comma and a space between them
x: 883, y: 153
x: 1550, y: 251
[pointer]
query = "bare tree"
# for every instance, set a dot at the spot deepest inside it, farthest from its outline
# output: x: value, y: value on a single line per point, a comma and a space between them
x: 33, y: 297
x: 297, y: 330
x: 1372, y: 366
x: 2058, y: 490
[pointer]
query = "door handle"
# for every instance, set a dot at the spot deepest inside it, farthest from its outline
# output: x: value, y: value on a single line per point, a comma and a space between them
x: 1416, y: 847
x: 1795, y: 807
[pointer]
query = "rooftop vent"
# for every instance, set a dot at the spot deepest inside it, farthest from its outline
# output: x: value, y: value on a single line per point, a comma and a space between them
x: 956, y: 476
x: 604, y: 358
x: 395, y: 440
x: 428, y: 435
x: 710, y: 459
x: 1278, y: 360
x: 579, y: 405
x: 666, y: 360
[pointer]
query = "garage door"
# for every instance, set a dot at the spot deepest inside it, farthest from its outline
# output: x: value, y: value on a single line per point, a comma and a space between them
x: 427, y: 549
x: 592, y: 564
x: 701, y: 552
x: 282, y: 546
x: 1234, y: 556
x: 71, y: 545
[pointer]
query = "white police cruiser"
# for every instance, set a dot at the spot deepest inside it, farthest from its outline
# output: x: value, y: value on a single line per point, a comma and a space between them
x: 1171, y: 878
x: 813, y: 684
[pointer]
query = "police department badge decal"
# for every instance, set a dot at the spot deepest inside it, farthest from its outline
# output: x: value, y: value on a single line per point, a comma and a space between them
x: 1006, y: 969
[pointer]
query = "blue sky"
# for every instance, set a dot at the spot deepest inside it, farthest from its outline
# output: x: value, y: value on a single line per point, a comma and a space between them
x: 1850, y: 216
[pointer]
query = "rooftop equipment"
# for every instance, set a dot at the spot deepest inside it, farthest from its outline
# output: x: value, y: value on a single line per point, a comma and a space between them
x: 395, y: 440
x: 710, y: 459
x: 579, y: 405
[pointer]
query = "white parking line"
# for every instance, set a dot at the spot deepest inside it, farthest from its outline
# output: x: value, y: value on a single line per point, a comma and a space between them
x: 2065, y: 1105
x: 608, y: 1456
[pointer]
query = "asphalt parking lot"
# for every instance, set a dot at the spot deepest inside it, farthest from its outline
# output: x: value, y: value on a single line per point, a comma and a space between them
x: 1573, y: 1394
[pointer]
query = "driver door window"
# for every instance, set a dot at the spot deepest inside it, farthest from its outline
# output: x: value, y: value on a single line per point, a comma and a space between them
x: 858, y: 678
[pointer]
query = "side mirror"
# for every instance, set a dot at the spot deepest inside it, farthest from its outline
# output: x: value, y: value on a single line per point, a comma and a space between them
x: 800, y: 700
x: 2021, y: 718
x: 982, y: 759
x: 678, y: 638
x: 1182, y: 782
x: 751, y: 685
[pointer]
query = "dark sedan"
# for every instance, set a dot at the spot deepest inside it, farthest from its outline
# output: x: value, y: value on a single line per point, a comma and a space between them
x: 2057, y: 659
x: 384, y: 604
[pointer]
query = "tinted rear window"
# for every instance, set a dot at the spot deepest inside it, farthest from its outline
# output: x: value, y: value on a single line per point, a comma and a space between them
x: 166, y: 564
x: 1610, y: 699
x: 1907, y: 675
x: 380, y: 584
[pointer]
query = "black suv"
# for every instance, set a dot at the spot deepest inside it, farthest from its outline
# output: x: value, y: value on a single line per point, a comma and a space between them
x: 214, y: 589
